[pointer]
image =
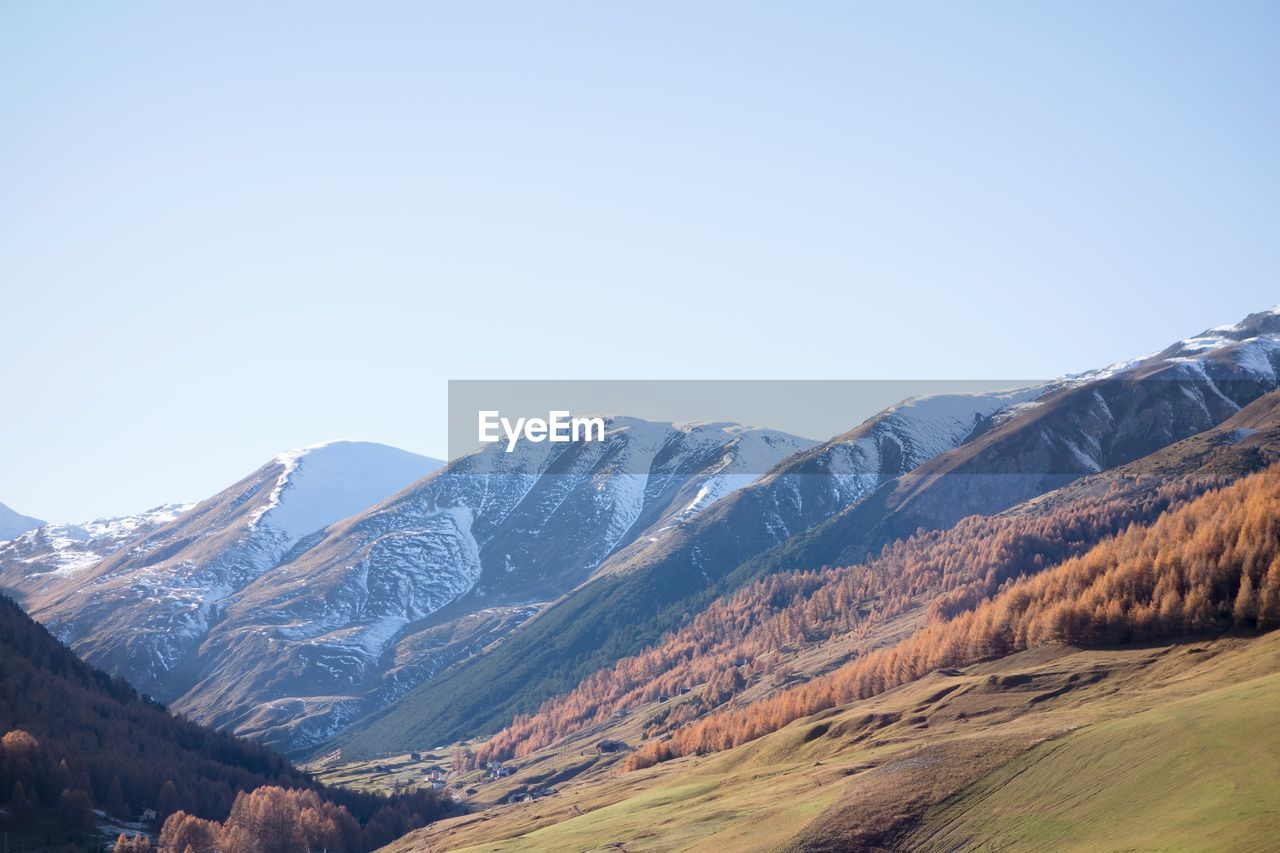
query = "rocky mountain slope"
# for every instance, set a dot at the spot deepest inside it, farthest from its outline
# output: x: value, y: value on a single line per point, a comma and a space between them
x: 1070, y: 429
x: 1087, y: 424
x: 47, y: 555
x: 388, y: 597
x: 136, y: 596
x: 14, y: 524
x: 246, y: 612
x: 650, y: 585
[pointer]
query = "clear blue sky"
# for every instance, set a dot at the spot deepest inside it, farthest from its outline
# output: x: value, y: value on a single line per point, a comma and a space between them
x: 226, y: 230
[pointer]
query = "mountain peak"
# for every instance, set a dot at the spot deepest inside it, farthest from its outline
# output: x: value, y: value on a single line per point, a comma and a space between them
x: 1254, y: 325
x: 1248, y: 342
x: 14, y: 524
x: 324, y: 482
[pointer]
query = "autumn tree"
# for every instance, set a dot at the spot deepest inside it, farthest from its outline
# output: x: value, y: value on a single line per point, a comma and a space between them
x: 76, y: 808
x: 1269, y: 597
x: 1245, y: 609
x: 133, y: 844
x: 21, y: 808
x: 115, y: 803
x: 182, y: 831
x: 1188, y: 571
x: 168, y: 801
x: 19, y: 743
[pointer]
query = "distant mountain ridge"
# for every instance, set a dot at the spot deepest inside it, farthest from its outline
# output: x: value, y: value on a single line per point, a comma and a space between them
x: 14, y: 524
x: 669, y: 575
x: 944, y: 571
x: 1079, y: 427
x: 46, y: 555
x: 143, y: 609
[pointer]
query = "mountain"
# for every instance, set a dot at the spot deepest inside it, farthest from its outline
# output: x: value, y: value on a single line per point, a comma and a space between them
x: 45, y: 556
x: 14, y: 524
x: 649, y: 586
x: 1029, y: 446
x: 144, y: 608
x: 1087, y: 424
x: 1113, y: 651
x: 299, y: 599
x: 795, y: 625
x: 83, y: 754
x: 353, y: 619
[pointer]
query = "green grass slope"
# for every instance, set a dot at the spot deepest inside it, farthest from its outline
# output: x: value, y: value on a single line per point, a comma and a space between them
x: 1198, y: 774
x: 1171, y: 747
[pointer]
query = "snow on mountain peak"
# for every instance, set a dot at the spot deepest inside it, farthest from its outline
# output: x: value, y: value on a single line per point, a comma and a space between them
x: 64, y: 550
x: 1229, y: 328
x: 1248, y: 343
x: 13, y: 524
x: 322, y: 483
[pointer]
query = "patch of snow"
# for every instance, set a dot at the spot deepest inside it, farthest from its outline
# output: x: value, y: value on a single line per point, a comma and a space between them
x: 63, y: 550
x: 1235, y: 436
x: 14, y: 524
x: 1108, y: 371
x: 324, y: 483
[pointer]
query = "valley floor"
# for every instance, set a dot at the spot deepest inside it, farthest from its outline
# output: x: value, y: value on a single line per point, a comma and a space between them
x: 1170, y: 747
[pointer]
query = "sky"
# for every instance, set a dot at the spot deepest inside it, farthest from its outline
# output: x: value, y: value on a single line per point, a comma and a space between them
x: 231, y: 229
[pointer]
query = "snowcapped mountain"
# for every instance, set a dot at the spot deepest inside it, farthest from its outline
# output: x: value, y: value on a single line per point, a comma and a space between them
x: 14, y: 524
x: 391, y: 595
x: 1248, y: 346
x: 1081, y: 425
x: 348, y: 580
x: 816, y: 483
x: 668, y: 563
x: 143, y: 609
x: 923, y: 464
x: 53, y: 553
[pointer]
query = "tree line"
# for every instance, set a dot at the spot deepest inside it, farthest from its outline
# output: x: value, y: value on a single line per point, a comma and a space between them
x: 750, y: 637
x: 73, y: 739
x: 1210, y: 565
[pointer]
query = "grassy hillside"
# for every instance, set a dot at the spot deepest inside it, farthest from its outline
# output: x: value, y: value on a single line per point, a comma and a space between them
x: 1021, y: 753
x: 1198, y: 774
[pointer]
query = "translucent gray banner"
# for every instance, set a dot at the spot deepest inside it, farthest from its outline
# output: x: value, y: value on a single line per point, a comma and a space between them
x: 499, y: 422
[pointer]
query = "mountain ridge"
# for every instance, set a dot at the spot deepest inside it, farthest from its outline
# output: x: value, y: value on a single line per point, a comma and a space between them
x: 1075, y: 427
x: 142, y: 609
x: 13, y: 523
x: 350, y: 618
